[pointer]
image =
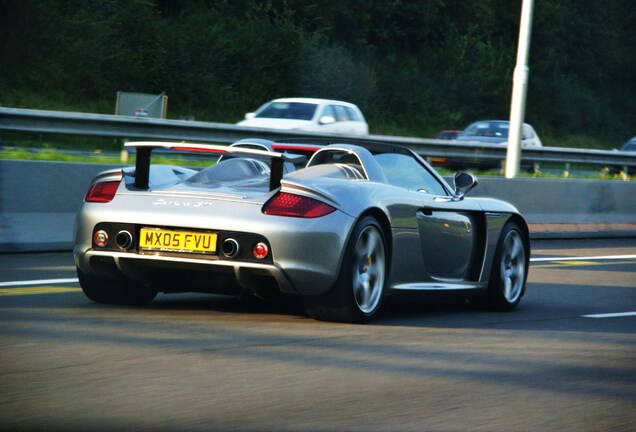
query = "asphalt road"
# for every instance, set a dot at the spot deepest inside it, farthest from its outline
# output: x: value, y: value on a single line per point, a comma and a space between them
x: 194, y: 362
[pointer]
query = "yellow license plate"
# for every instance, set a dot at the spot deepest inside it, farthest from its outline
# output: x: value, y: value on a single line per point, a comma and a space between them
x: 177, y: 241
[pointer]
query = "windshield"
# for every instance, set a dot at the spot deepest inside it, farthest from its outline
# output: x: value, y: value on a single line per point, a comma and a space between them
x: 630, y: 145
x: 288, y: 110
x: 487, y: 129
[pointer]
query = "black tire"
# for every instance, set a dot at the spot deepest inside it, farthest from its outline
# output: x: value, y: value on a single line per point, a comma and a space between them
x: 509, y: 271
x: 359, y: 292
x: 112, y: 291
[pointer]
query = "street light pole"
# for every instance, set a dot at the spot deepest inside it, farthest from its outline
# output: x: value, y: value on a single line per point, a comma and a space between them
x: 519, y: 91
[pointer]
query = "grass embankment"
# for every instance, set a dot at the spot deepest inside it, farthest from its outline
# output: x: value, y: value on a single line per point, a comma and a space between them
x: 108, y: 151
x: 98, y: 156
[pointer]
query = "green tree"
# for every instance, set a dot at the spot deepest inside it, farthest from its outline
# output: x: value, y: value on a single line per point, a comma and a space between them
x: 413, y: 66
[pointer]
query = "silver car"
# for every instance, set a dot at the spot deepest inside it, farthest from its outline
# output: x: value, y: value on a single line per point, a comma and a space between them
x: 352, y: 227
x: 494, y: 132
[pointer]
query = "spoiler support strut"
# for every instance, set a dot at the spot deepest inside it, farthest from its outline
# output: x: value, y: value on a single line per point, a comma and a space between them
x: 142, y: 167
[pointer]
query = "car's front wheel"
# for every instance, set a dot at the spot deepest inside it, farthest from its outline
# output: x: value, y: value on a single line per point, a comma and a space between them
x: 112, y: 291
x: 359, y: 292
x: 509, y: 270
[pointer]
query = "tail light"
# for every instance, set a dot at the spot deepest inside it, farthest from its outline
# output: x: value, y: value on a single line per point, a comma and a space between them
x: 102, y: 192
x: 286, y: 204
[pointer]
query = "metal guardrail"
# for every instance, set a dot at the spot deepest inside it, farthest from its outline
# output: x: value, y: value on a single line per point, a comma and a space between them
x: 132, y: 128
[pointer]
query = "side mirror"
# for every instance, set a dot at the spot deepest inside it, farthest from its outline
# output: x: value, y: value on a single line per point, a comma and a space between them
x: 325, y: 120
x: 249, y: 116
x: 464, y: 182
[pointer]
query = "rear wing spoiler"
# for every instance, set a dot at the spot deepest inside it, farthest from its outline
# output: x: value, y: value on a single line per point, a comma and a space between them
x: 145, y: 148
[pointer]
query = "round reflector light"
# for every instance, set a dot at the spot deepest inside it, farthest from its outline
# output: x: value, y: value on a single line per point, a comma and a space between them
x: 101, y: 238
x: 260, y: 250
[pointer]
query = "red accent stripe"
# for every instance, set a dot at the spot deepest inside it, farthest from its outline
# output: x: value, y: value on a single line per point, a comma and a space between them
x: 199, y: 150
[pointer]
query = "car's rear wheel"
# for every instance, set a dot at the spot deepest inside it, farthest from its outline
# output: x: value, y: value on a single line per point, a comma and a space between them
x: 113, y: 291
x: 359, y: 292
x: 509, y: 272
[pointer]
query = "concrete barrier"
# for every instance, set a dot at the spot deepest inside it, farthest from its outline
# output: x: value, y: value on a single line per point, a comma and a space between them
x: 565, y: 201
x: 38, y: 203
x: 39, y: 200
x: 568, y: 208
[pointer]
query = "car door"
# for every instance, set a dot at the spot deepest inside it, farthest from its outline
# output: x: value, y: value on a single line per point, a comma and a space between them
x: 327, y: 120
x: 448, y: 237
x: 446, y: 228
x: 343, y: 122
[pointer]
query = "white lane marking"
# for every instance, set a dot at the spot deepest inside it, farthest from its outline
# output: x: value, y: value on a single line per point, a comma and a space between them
x: 75, y: 280
x: 596, y: 258
x: 39, y: 282
x: 22, y: 291
x: 610, y: 315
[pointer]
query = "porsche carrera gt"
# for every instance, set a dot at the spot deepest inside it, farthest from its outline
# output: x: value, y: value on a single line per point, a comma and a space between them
x: 342, y: 233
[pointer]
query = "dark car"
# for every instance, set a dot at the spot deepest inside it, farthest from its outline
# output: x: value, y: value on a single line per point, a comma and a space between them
x: 629, y: 146
x: 494, y: 132
x: 447, y: 134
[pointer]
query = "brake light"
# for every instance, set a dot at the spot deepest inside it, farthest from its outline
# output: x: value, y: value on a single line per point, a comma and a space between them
x: 102, y: 192
x: 286, y: 204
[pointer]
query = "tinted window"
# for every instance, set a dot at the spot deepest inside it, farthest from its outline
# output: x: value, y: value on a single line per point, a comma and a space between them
x: 341, y: 113
x: 488, y: 129
x: 328, y: 111
x: 406, y: 172
x: 630, y: 145
x: 288, y: 110
x: 353, y: 115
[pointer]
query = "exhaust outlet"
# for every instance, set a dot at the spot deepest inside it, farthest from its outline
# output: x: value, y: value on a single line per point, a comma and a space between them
x: 124, y: 240
x: 230, y: 248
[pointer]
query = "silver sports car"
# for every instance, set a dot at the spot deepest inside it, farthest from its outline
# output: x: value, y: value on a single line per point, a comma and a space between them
x: 343, y: 232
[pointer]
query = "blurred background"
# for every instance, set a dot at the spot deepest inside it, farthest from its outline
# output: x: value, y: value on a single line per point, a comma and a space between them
x: 413, y: 67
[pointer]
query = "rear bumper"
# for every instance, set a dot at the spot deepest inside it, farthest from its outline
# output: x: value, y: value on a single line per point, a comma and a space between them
x: 116, y: 264
x: 305, y: 253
